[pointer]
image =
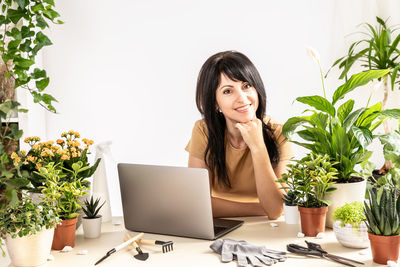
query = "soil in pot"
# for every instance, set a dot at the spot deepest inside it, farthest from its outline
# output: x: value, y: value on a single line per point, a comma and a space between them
x: 384, y: 248
x: 64, y: 234
x: 313, y: 220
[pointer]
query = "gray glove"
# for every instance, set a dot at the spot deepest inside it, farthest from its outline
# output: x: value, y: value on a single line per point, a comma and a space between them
x: 243, y: 252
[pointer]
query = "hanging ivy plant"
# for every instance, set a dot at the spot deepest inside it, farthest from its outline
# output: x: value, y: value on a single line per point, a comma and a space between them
x: 22, y: 35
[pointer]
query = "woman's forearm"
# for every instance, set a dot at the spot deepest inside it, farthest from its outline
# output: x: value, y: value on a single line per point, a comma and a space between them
x: 227, y: 208
x: 267, y: 189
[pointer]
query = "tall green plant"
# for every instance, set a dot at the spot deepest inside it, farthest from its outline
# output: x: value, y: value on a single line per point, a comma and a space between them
x: 339, y: 131
x: 22, y: 36
x: 378, y: 50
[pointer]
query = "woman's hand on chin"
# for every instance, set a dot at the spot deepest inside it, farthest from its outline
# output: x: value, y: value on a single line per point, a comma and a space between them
x: 251, y: 132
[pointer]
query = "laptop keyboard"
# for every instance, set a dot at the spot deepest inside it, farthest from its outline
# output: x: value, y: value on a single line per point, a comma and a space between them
x: 218, y: 229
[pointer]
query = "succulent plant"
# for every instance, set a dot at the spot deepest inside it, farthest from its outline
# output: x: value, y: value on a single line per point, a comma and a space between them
x: 382, y: 211
x: 91, y: 208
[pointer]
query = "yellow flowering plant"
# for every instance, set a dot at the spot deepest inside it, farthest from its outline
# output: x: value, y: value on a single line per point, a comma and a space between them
x: 64, y: 152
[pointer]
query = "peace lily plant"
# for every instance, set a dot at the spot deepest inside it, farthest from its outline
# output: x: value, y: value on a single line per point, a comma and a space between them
x: 339, y: 131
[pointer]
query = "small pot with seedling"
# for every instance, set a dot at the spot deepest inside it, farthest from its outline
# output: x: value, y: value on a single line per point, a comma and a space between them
x: 349, y: 227
x: 290, y: 198
x: 92, y: 221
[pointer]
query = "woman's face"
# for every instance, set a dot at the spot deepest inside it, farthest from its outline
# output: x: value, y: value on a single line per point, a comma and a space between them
x: 237, y: 100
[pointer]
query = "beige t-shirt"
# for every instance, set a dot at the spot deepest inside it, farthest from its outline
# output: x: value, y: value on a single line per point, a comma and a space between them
x: 238, y: 162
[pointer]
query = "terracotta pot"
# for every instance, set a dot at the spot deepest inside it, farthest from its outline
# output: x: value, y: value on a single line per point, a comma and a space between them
x: 384, y: 248
x: 64, y: 235
x: 313, y: 220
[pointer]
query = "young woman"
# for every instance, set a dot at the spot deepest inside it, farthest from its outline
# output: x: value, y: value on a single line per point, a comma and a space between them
x: 243, y: 149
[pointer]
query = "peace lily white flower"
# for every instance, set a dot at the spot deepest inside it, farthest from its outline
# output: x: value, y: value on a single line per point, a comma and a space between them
x: 313, y: 53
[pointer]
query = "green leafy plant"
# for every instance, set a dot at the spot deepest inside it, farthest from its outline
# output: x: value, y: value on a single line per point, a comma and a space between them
x: 91, y: 208
x: 22, y: 35
x: 312, y: 178
x: 377, y: 51
x: 340, y: 132
x: 290, y: 198
x: 350, y: 213
x: 382, y: 212
x: 25, y: 217
x: 64, y: 195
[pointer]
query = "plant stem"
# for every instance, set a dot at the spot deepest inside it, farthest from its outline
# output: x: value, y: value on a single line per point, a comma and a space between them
x: 322, y: 77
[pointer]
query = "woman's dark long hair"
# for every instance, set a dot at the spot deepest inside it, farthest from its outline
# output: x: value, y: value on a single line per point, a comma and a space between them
x: 237, y: 67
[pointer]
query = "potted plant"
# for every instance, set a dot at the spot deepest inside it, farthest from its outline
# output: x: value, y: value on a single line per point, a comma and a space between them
x: 341, y: 133
x: 290, y: 198
x: 28, y: 230
x: 349, y: 227
x: 382, y: 213
x: 377, y: 50
x: 313, y: 176
x: 64, y: 152
x: 92, y: 221
x: 64, y: 195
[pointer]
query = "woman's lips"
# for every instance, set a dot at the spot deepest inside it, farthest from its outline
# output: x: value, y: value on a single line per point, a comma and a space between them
x: 244, y: 108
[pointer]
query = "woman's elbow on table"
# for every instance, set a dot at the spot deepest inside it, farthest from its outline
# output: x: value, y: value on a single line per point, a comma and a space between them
x: 276, y: 213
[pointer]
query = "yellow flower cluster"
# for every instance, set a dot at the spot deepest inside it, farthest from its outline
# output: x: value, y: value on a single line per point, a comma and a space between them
x: 41, y: 153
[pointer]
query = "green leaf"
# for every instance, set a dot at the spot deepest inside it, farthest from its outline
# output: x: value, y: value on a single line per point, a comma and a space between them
x: 25, y: 63
x: 38, y: 7
x: 48, y: 99
x: 50, y: 2
x: 38, y: 73
x: 319, y: 120
x: 344, y: 110
x: 21, y: 3
x: 50, y: 14
x: 357, y: 80
x: 391, y: 113
x: 42, y: 84
x: 43, y: 39
x: 306, y: 135
x: 352, y: 118
x: 15, y: 15
x: 363, y: 136
x: 41, y: 22
x: 18, y: 182
x: 394, y: 74
x: 319, y: 103
x: 291, y: 124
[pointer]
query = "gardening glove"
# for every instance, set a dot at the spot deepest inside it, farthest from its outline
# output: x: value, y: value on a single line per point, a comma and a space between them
x: 243, y: 252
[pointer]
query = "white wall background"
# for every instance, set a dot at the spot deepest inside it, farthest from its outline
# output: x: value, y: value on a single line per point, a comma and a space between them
x: 126, y: 70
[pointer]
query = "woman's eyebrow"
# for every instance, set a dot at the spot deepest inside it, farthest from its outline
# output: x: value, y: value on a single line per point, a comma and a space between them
x: 227, y: 85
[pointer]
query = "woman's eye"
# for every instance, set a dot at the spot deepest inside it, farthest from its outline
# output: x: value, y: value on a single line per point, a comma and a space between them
x: 246, y: 86
x: 225, y: 92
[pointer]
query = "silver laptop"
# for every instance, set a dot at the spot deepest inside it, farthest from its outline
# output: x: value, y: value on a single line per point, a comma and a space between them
x: 169, y: 200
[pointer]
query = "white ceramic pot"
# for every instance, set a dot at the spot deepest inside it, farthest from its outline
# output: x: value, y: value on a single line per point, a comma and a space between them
x: 350, y: 237
x: 31, y: 250
x: 292, y: 215
x: 91, y: 227
x: 344, y: 193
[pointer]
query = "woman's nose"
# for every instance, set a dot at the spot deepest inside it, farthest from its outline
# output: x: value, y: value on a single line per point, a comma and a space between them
x: 241, y: 96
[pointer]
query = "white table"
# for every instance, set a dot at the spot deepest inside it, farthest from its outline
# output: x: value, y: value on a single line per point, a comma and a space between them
x: 195, y: 252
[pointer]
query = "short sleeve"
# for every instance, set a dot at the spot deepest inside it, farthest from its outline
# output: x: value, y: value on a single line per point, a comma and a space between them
x: 198, y: 142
